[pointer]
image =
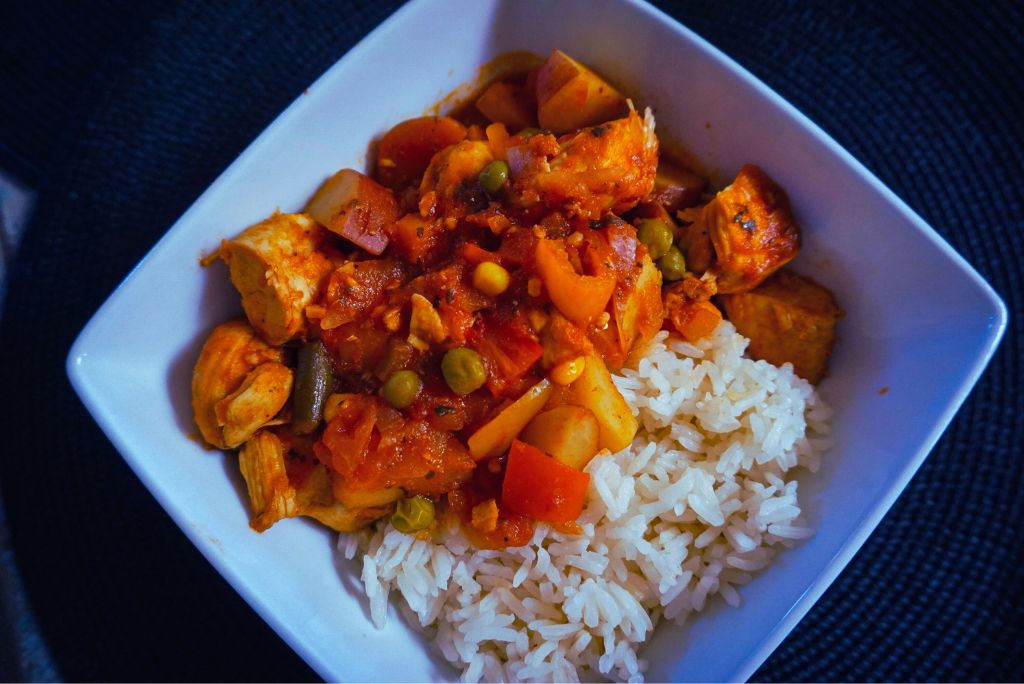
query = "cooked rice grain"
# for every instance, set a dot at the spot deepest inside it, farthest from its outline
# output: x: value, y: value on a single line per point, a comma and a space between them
x: 702, y: 498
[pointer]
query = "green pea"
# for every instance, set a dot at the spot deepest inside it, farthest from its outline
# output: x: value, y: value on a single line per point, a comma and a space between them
x: 672, y: 265
x: 656, y: 235
x: 463, y: 370
x: 414, y: 514
x: 494, y: 176
x: 401, y: 388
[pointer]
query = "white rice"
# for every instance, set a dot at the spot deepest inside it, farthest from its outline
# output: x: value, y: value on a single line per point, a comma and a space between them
x: 702, y: 498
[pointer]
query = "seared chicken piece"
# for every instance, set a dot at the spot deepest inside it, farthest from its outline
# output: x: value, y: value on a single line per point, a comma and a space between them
x: 278, y: 268
x: 603, y: 168
x: 316, y: 500
x: 273, y: 495
x: 232, y: 395
x: 261, y: 461
x: 450, y: 187
x: 751, y: 228
x: 342, y: 519
x: 788, y: 318
x: 262, y: 394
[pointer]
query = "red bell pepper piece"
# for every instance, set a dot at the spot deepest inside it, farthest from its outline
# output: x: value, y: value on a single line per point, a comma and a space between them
x: 540, y: 487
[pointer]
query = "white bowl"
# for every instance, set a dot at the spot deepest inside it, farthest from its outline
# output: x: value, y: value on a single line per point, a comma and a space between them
x: 920, y: 321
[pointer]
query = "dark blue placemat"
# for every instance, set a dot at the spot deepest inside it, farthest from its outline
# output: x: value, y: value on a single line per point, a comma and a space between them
x: 127, y: 111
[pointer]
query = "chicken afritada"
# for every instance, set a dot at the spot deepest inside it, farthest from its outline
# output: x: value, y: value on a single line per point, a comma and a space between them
x: 435, y: 338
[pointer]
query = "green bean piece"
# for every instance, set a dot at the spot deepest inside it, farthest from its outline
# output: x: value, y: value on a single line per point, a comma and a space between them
x: 413, y: 514
x: 656, y: 235
x: 494, y: 176
x: 314, y: 379
x: 672, y: 265
x: 463, y: 370
x: 402, y: 388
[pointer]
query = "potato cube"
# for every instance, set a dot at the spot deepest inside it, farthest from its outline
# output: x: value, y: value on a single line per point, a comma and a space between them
x: 571, y: 96
x: 595, y: 391
x: 356, y: 208
x: 569, y: 433
x: 508, y: 104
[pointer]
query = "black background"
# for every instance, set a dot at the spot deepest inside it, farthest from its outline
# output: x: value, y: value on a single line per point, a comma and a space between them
x: 121, y: 112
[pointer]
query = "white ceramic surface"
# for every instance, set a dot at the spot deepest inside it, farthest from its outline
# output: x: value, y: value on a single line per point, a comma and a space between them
x: 919, y: 320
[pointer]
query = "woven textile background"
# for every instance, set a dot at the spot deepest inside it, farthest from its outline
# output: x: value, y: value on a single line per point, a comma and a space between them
x: 121, y: 112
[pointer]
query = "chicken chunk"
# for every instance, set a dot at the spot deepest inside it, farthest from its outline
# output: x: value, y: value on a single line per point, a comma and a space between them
x: 274, y: 494
x: 261, y: 395
x: 271, y: 495
x: 788, y: 318
x: 342, y: 519
x: 603, y: 168
x: 317, y: 501
x: 751, y: 228
x: 230, y: 360
x: 450, y: 184
x: 279, y: 269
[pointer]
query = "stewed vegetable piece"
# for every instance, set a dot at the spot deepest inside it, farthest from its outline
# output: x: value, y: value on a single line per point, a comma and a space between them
x: 672, y: 265
x: 490, y: 278
x: 446, y: 325
x: 413, y: 514
x: 463, y: 370
x: 656, y: 235
x: 494, y: 176
x: 540, y: 487
x: 402, y: 388
x: 314, y: 381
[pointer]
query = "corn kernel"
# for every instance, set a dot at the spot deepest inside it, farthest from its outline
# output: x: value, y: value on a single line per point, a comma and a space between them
x: 538, y: 319
x: 533, y: 287
x: 490, y: 278
x: 567, y: 372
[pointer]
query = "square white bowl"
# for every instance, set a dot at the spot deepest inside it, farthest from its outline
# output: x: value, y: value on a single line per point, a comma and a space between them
x: 920, y: 321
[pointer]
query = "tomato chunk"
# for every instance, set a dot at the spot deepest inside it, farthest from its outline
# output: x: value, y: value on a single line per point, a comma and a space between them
x: 509, y: 351
x: 540, y: 487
